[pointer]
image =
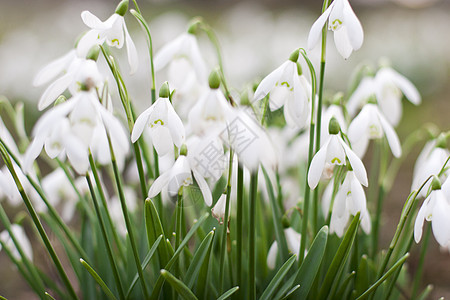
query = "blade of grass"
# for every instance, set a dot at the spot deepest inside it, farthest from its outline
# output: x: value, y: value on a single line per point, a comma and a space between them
x: 98, y: 279
x: 178, y: 285
x: 278, y: 278
x: 228, y: 293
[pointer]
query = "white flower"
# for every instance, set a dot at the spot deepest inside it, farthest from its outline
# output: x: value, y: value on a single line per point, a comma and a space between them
x: 287, y: 88
x: 180, y: 175
x: 22, y: 239
x: 350, y: 199
x: 115, y: 209
x: 348, y: 32
x: 330, y: 112
x: 387, y: 86
x: 218, y: 211
x: 184, y: 57
x: 293, y: 242
x: 113, y: 31
x: 165, y: 126
x: 371, y: 124
x: 335, y: 152
x: 435, y: 208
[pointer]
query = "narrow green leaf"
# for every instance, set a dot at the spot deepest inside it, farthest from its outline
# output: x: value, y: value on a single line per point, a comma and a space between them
x: 362, y: 276
x: 278, y: 278
x: 160, y: 280
x: 426, y: 292
x: 178, y: 285
x: 291, y: 292
x: 154, y: 229
x: 98, y: 279
x: 340, y: 258
x: 341, y: 292
x: 199, y: 257
x: 373, y: 287
x: 228, y: 293
x: 144, y: 264
x: 47, y: 295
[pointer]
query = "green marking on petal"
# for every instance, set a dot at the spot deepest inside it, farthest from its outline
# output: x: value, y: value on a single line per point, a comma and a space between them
x: 115, y: 41
x: 335, y: 161
x: 285, y: 83
x: 335, y: 24
x: 349, y: 193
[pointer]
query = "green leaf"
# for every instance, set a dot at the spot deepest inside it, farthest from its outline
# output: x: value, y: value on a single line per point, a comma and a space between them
x: 362, y: 276
x: 160, y: 280
x: 340, y: 258
x: 98, y: 279
x: 278, y: 278
x: 178, y: 285
x: 228, y: 293
x: 199, y: 257
x: 154, y: 229
x: 340, y: 293
x: 291, y: 292
x: 426, y: 292
x: 144, y: 264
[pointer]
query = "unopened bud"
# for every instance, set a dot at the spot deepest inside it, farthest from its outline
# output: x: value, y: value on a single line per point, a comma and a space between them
x: 122, y: 8
x: 214, y: 79
x: 164, y: 91
x: 294, y: 55
x: 333, y: 126
x: 285, y: 221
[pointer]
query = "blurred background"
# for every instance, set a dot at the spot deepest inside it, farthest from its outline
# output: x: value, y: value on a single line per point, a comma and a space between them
x: 256, y: 37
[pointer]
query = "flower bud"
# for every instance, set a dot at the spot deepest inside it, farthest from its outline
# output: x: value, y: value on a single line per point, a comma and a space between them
x: 93, y: 53
x: 218, y: 211
x: 294, y: 55
x: 435, y: 184
x: 214, y: 79
x: 183, y: 150
x: 333, y: 126
x: 122, y: 8
x: 285, y: 222
x: 164, y: 91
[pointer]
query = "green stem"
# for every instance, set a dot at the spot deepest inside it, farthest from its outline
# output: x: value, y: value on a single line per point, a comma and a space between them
x: 419, y: 271
x: 126, y: 216
x: 37, y: 223
x: 179, y: 219
x: 225, y: 223
x: 239, y: 219
x: 252, y: 236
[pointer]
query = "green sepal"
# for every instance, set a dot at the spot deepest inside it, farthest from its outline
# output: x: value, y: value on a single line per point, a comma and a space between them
x: 122, y: 8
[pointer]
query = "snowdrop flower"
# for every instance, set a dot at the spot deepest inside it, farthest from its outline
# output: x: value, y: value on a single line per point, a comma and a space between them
x: 332, y: 111
x: 435, y: 209
x: 371, y: 124
x: 334, y: 152
x: 113, y: 31
x: 184, y: 59
x: 289, y: 89
x: 430, y: 162
x: 387, y: 86
x: 350, y: 199
x: 348, y: 32
x: 218, y: 211
x: 115, y: 209
x: 78, y: 71
x: 21, y: 238
x: 180, y: 175
x: 210, y: 113
x: 165, y: 126
x: 293, y: 242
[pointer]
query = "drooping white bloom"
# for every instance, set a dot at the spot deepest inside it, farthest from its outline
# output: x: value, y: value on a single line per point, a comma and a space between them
x: 115, y: 209
x: 435, y: 209
x: 113, y: 31
x: 371, y: 124
x: 387, y: 87
x: 185, y: 59
x: 69, y: 130
x: 430, y: 162
x: 348, y: 32
x: 350, y: 199
x: 293, y: 243
x: 165, y: 126
x: 287, y: 89
x: 218, y: 211
x: 180, y: 175
x: 334, y: 152
x: 21, y: 238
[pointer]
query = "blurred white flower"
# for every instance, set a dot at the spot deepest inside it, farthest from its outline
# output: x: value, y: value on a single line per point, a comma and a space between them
x: 331, y: 111
x: 113, y: 31
x: 348, y: 32
x: 288, y: 88
x: 165, y: 126
x: 218, y: 211
x: 21, y: 238
x: 371, y: 124
x: 115, y: 209
x: 293, y: 242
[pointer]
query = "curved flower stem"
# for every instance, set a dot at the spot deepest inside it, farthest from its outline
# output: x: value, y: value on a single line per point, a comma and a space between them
x: 37, y: 223
x: 252, y: 236
x: 105, y: 238
x: 310, y: 156
x: 126, y: 216
x: 225, y: 223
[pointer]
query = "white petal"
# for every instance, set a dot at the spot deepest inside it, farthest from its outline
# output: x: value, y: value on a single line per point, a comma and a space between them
x: 441, y: 219
x: 197, y: 60
x: 316, y: 167
x: 410, y: 91
x: 358, y: 197
x: 55, y: 67
x: 167, y: 53
x: 272, y: 256
x: 55, y: 90
x: 204, y: 187
x: 366, y: 224
x: 342, y: 42
x: 161, y: 139
x: 131, y: 51
x: 327, y: 197
x: 32, y: 153
x: 418, y: 224
x: 357, y: 165
x: 391, y: 136
x: 92, y: 21
x: 87, y: 41
x: 141, y: 123
x: 176, y: 126
x: 269, y: 81
x: 358, y: 127
x: 316, y: 30
x: 77, y: 154
x: 365, y: 89
x: 354, y: 28
x: 158, y: 184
